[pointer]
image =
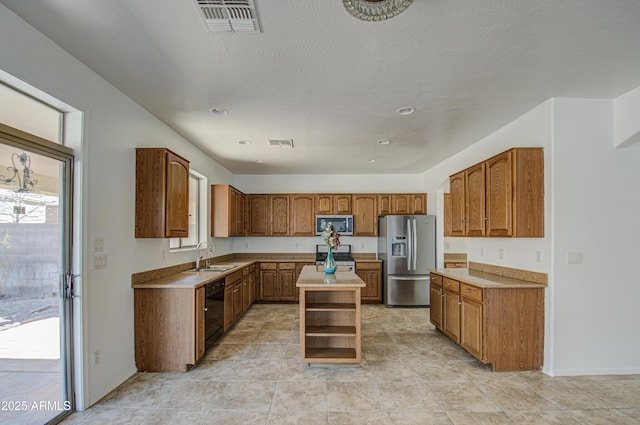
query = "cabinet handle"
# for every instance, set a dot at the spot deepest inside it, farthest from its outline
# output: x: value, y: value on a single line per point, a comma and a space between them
x: 206, y: 309
x: 468, y: 291
x: 486, y: 219
x: 460, y: 303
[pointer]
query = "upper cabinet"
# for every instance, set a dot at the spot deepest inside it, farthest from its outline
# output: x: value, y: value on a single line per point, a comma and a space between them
x: 384, y: 204
x: 447, y: 214
x: 326, y: 204
x: 302, y: 215
x: 279, y: 209
x: 259, y: 213
x: 162, y: 194
x: 409, y: 203
x: 227, y: 211
x: 365, y: 217
x: 502, y: 196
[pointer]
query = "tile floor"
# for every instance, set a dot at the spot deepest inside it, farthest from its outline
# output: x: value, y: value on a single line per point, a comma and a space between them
x: 410, y: 374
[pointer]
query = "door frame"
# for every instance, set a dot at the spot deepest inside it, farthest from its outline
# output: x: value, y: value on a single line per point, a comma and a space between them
x: 56, y: 151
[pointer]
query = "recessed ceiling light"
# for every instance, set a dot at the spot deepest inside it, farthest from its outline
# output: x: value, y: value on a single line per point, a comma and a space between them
x: 219, y: 111
x: 406, y: 110
x: 244, y: 142
x: 259, y: 161
x: 383, y: 142
x: 372, y: 161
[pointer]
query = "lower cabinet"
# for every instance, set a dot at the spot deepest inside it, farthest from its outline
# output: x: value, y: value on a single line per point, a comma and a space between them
x: 501, y: 326
x: 277, y: 281
x: 175, y: 317
x: 232, y: 298
x: 371, y: 273
x: 286, y: 278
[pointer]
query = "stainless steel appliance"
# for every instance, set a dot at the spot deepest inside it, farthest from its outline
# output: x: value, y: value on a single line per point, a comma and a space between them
x: 407, y: 247
x: 343, y: 257
x: 342, y: 223
x: 213, y: 312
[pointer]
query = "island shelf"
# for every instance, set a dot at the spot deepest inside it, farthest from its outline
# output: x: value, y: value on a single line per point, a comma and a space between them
x: 330, y: 327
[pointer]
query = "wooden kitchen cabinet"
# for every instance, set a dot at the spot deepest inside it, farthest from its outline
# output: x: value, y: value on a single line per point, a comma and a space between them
x: 384, y: 204
x: 287, y: 290
x: 475, y: 200
x: 246, y: 289
x: 451, y: 309
x: 447, y: 213
x: 258, y: 215
x: 279, y: 215
x: 457, y: 190
x: 500, y: 197
x: 324, y: 204
x: 169, y: 328
x: 371, y: 273
x: 408, y: 203
x: 365, y: 219
x: 302, y: 215
x: 268, y: 282
x: 436, y: 300
x: 342, y: 204
x: 500, y: 326
x: 228, y: 306
x: 162, y: 194
x: 232, y: 298
x: 227, y: 211
x: 253, y: 284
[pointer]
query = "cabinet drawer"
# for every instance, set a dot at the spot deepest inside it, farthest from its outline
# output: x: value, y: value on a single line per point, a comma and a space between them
x: 367, y: 265
x: 245, y: 271
x: 287, y: 266
x: 252, y: 268
x: 268, y: 266
x: 472, y: 292
x: 436, y: 279
x: 451, y: 285
x: 233, y: 277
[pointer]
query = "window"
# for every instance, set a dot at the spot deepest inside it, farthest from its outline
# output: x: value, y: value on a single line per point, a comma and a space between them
x: 197, y: 228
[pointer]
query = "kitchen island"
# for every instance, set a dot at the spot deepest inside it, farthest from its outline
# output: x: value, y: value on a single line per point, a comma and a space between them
x: 330, y: 327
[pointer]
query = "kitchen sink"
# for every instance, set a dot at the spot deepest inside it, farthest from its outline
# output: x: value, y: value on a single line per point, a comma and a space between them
x: 218, y: 269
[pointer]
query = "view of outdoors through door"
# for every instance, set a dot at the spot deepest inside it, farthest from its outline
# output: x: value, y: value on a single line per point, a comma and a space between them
x: 35, y: 317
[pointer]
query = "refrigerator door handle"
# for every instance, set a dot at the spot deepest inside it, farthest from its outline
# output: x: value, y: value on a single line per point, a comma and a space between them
x: 414, y: 240
x: 409, y: 244
x: 409, y: 278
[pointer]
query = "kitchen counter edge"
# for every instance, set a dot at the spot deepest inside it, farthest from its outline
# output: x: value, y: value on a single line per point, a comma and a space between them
x: 485, y: 280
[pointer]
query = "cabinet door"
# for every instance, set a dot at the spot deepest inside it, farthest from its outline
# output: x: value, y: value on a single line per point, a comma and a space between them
x: 447, y: 214
x: 268, y: 285
x: 342, y: 204
x: 475, y: 179
x: 252, y: 288
x: 239, y: 214
x: 372, y: 279
x: 365, y: 220
x: 177, y: 221
x: 258, y: 215
x: 451, y: 315
x: 400, y: 204
x: 302, y: 215
x: 419, y: 203
x: 246, y: 293
x: 233, y: 210
x: 279, y: 211
x: 237, y: 300
x: 228, y: 306
x: 287, y: 283
x: 199, y: 328
x: 324, y: 204
x: 471, y: 327
x: 458, y: 213
x: 384, y: 204
x: 499, y: 195
x: 435, y: 309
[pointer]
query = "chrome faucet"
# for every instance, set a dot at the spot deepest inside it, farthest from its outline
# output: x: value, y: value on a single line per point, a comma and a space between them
x: 198, y: 255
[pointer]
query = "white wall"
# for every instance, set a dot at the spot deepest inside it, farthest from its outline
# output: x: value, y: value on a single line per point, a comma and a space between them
x: 596, y: 211
x: 113, y: 126
x: 626, y: 118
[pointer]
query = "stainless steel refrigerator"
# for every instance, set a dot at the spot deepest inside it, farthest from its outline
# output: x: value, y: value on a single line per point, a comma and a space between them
x: 407, y: 247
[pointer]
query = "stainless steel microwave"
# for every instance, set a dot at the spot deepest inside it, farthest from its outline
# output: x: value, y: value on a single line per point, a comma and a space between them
x: 342, y: 223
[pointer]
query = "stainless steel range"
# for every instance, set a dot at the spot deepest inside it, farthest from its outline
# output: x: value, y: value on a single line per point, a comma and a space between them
x: 343, y: 256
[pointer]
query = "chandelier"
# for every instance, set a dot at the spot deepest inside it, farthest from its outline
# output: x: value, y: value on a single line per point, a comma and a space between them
x: 23, y: 178
x: 376, y: 10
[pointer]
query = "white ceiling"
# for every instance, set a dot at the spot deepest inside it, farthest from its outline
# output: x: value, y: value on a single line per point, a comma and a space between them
x: 332, y: 83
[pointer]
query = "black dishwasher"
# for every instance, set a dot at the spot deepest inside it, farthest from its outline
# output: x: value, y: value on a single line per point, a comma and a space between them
x: 213, y: 312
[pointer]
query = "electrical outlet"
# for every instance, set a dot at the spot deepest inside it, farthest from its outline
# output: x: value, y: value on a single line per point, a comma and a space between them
x: 501, y: 253
x: 482, y: 252
x: 99, y: 261
x: 96, y: 358
x: 538, y: 256
x: 98, y: 244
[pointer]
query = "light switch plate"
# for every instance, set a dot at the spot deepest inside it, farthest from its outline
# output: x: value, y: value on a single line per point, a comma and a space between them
x: 574, y: 257
x: 99, y: 261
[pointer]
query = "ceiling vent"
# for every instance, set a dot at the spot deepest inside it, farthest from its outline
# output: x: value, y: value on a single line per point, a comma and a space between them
x: 229, y: 15
x: 287, y: 143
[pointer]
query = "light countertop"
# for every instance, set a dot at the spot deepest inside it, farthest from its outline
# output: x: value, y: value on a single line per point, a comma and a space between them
x: 486, y: 280
x: 312, y: 277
